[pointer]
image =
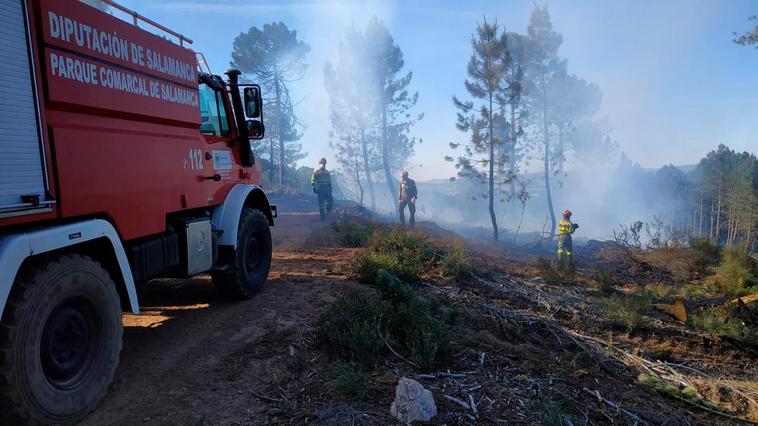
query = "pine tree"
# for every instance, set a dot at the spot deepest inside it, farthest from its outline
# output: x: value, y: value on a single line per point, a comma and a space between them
x: 384, y: 60
x: 274, y: 57
x: 487, y: 70
x: 353, y: 97
x: 545, y: 66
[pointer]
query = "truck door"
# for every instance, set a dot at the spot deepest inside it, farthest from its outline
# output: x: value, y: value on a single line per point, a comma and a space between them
x: 22, y: 176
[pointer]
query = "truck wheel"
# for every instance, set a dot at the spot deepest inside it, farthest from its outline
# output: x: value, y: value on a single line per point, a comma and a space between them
x: 60, y: 339
x: 248, y: 270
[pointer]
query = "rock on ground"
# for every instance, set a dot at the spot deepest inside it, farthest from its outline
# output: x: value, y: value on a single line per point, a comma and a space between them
x: 412, y: 402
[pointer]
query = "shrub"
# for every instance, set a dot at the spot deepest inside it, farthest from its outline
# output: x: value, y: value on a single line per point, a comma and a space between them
x: 352, y: 381
x: 352, y: 234
x: 455, y: 264
x: 422, y: 328
x: 606, y: 279
x: 660, y: 351
x: 629, y: 310
x: 367, y: 264
x: 707, y: 253
x: 737, y: 271
x: 553, y: 412
x: 548, y: 272
x: 714, y: 321
x: 416, y: 327
x: 391, y: 288
x: 350, y: 327
x: 404, y: 254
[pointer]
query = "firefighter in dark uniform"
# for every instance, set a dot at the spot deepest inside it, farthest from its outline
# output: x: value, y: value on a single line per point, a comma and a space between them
x: 408, y: 195
x: 322, y: 186
x: 565, y: 245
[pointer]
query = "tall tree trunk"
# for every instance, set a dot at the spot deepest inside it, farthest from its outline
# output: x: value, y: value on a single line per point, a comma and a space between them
x: 717, y: 231
x: 385, y: 157
x: 367, y: 170
x: 700, y: 226
x: 280, y: 117
x: 547, y: 161
x: 512, y: 149
x: 271, y: 159
x: 358, y: 179
x: 492, y: 175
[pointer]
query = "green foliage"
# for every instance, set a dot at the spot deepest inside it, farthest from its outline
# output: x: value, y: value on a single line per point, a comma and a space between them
x: 629, y: 310
x: 455, y: 264
x: 367, y: 264
x: 352, y: 234
x: 350, y: 327
x: 391, y: 288
x: 405, y: 254
x: 548, y: 271
x: 605, y: 279
x: 684, y: 392
x: 660, y: 351
x: 707, y: 253
x: 419, y: 328
x: 737, y: 272
x: 273, y: 57
x: 422, y: 327
x: 554, y: 411
x: 713, y: 321
x: 352, y: 381
x: 733, y: 323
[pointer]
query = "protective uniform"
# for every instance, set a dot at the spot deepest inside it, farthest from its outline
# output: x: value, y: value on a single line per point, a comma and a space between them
x: 322, y: 186
x: 408, y: 195
x: 565, y: 245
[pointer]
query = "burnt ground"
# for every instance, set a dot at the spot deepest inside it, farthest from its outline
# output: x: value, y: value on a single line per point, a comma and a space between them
x: 193, y: 357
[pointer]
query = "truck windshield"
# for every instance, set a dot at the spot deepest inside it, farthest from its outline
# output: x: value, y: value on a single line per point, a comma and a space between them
x: 212, y: 112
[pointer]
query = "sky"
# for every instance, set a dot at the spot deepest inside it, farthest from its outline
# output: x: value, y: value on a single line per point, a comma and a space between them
x: 674, y: 84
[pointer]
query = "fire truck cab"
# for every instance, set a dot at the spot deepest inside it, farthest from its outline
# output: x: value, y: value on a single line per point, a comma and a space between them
x: 122, y: 159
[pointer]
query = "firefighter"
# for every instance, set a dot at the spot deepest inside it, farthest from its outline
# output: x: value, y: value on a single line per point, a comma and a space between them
x: 565, y: 229
x: 408, y: 195
x: 322, y: 186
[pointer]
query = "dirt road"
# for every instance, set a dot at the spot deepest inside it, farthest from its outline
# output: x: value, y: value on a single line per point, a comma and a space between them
x: 193, y: 357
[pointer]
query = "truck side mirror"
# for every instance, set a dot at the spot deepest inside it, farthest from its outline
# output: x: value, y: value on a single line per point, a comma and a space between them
x: 255, y: 129
x: 253, y: 102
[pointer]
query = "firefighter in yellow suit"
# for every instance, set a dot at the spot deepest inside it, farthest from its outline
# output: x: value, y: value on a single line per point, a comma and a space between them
x: 322, y: 187
x: 565, y: 245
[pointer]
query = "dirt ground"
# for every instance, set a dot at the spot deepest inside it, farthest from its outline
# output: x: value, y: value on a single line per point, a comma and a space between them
x: 193, y: 357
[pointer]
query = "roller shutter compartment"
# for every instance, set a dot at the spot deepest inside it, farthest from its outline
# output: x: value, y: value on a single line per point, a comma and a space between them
x: 22, y: 180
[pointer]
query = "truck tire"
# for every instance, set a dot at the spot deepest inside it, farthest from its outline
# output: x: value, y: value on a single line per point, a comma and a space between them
x: 248, y: 268
x: 60, y: 340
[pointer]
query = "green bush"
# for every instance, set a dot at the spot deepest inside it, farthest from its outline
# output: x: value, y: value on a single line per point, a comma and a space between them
x: 548, y: 272
x: 661, y: 351
x: 707, y: 253
x: 352, y: 382
x: 737, y: 272
x: 605, y: 279
x: 629, y: 310
x: 734, y: 323
x: 350, y: 327
x: 554, y: 411
x: 367, y: 264
x: 352, y: 234
x: 391, y: 288
x: 456, y: 264
x: 405, y: 254
x: 420, y: 329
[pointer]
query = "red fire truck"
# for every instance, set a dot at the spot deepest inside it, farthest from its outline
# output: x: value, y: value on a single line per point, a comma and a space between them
x: 121, y: 160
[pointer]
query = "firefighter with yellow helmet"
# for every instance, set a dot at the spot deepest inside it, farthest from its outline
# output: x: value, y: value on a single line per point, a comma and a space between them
x: 322, y: 187
x: 565, y: 245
